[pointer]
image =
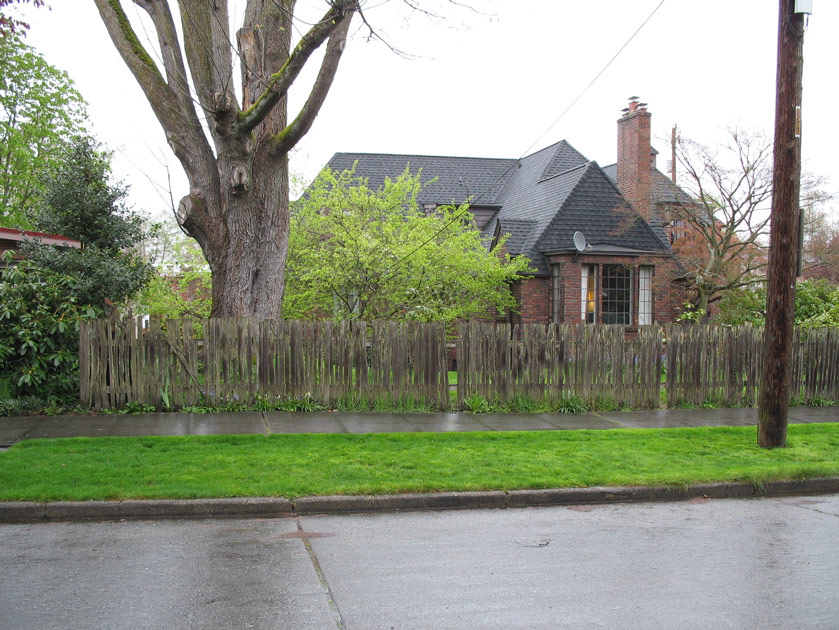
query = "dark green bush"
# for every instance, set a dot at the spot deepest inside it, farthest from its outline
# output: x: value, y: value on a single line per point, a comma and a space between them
x: 39, y: 332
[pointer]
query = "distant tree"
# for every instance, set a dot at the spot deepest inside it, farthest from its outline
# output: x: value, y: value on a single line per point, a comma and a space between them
x: 80, y: 202
x: 40, y: 110
x: 373, y: 254
x: 821, y: 244
x: 724, y: 228
x: 182, y: 285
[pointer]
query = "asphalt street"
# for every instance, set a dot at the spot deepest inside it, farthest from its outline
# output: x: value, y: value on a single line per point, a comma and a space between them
x: 715, y: 564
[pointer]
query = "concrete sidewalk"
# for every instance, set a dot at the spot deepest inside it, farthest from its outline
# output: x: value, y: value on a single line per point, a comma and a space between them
x: 23, y: 428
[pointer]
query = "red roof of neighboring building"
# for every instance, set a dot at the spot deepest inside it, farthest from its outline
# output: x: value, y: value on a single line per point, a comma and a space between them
x: 12, y: 234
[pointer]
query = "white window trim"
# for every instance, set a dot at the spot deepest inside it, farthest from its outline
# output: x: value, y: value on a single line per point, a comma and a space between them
x: 645, y: 295
x: 584, y: 277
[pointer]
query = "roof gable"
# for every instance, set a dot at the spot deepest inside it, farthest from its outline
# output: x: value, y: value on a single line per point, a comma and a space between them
x: 595, y: 208
x: 564, y: 159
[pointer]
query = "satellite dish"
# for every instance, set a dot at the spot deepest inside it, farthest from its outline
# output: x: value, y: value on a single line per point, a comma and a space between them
x: 579, y: 241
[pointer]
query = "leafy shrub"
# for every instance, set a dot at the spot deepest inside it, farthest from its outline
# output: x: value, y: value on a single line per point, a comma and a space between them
x: 818, y: 401
x: 604, y: 402
x: 476, y: 404
x: 39, y: 332
x: 570, y: 403
x: 523, y: 404
x: 5, y: 389
x: 20, y: 406
x: 261, y: 403
x: 816, y: 305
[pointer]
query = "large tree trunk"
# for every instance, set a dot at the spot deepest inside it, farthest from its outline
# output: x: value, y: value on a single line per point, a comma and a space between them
x: 248, y: 278
x: 238, y: 205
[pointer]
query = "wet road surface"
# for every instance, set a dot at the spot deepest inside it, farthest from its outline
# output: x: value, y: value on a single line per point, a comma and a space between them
x: 715, y: 564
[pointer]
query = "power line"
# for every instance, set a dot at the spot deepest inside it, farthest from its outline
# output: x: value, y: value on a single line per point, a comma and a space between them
x: 460, y: 215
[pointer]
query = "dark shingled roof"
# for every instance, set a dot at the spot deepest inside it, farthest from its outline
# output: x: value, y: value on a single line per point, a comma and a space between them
x: 543, y: 198
x: 457, y: 178
x: 565, y: 158
x: 519, y: 233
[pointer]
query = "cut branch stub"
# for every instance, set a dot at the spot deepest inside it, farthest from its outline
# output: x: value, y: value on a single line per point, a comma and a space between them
x: 240, y: 179
x: 187, y: 206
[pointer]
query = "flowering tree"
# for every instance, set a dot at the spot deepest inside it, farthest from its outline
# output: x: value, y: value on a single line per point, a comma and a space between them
x: 373, y: 254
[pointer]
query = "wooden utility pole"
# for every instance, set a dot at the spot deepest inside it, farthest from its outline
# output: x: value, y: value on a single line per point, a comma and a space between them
x: 783, y: 237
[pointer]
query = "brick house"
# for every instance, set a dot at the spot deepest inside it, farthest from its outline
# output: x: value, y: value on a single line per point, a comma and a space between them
x: 597, y: 237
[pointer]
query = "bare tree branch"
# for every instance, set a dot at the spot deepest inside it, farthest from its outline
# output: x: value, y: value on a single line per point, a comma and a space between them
x: 207, y: 46
x: 291, y: 135
x: 279, y: 82
x: 725, y: 224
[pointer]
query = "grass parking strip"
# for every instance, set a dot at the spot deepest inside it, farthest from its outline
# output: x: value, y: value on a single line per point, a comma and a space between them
x: 112, y: 468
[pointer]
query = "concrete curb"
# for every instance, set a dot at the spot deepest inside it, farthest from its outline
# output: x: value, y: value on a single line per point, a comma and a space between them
x: 272, y: 507
x: 25, y: 512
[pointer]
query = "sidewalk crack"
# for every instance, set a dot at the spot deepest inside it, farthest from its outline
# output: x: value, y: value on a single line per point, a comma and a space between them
x: 810, y: 508
x: 265, y: 422
x: 339, y: 622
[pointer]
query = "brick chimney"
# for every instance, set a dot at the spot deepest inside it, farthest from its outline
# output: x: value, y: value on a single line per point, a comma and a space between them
x: 635, y: 157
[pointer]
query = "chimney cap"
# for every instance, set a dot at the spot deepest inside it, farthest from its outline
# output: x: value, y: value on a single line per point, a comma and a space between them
x: 633, y: 98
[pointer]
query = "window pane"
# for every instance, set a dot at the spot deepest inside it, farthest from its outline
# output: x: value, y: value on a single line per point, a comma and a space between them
x: 617, y: 295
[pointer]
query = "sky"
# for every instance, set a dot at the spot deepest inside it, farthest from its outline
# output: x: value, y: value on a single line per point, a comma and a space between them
x: 493, y: 78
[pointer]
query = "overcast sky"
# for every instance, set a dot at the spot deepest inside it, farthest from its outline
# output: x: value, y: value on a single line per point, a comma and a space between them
x: 490, y: 81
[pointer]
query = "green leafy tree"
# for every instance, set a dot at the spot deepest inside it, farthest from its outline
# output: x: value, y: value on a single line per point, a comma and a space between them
x: 373, y: 254
x: 39, y: 331
x: 816, y: 305
x: 40, y: 110
x: 80, y: 202
x: 182, y: 286
x: 742, y: 306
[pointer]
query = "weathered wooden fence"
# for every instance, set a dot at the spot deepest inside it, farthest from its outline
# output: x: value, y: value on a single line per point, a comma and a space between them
x: 536, y: 361
x: 239, y: 359
x: 816, y: 364
x: 167, y: 365
x: 713, y: 363
x: 725, y: 365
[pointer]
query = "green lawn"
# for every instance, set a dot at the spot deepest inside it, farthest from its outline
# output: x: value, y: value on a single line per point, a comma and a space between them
x: 299, y: 465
